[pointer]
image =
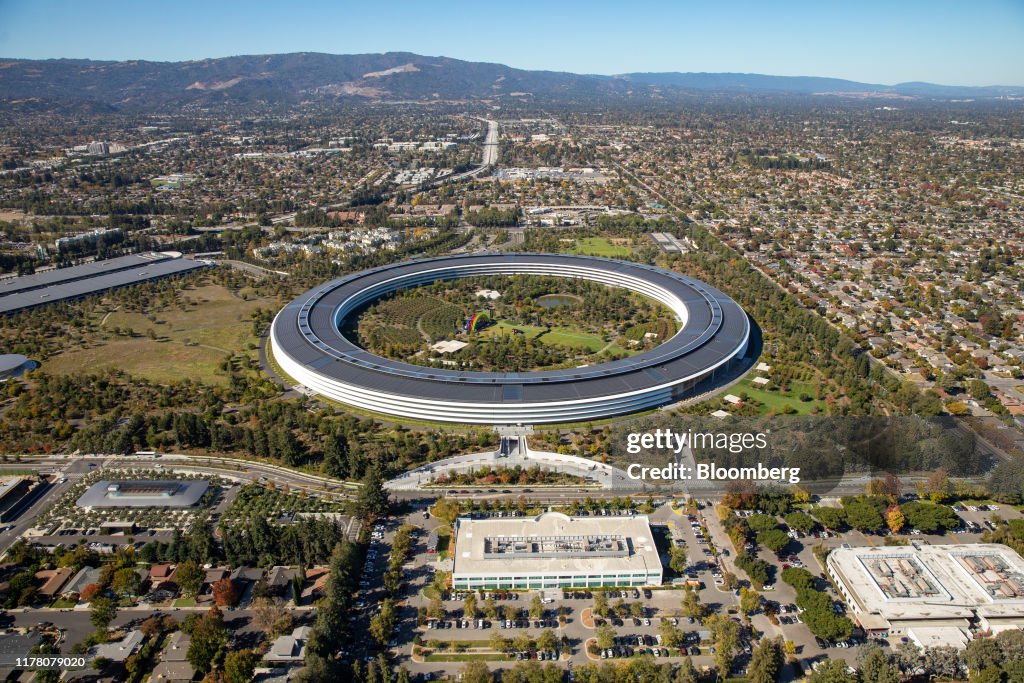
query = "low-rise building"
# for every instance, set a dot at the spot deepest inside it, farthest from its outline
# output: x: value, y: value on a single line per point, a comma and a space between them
x: 932, y: 594
x: 554, y: 550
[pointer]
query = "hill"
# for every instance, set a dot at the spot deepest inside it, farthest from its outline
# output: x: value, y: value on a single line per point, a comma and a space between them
x: 390, y: 76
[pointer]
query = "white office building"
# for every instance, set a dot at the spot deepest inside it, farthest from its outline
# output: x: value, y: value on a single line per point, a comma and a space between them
x: 554, y: 550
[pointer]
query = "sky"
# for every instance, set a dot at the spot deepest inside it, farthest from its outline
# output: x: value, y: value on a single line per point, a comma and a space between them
x: 952, y: 42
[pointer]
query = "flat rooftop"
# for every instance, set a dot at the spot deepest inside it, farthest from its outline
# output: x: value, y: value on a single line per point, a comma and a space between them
x: 554, y: 542
x: 933, y: 581
x: 148, y: 493
x: 29, y: 291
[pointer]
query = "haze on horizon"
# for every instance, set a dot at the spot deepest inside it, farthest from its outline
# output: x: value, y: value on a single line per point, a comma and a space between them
x: 939, y: 41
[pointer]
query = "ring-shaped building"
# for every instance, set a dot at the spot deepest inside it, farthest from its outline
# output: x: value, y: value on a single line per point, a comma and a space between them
x: 307, y: 343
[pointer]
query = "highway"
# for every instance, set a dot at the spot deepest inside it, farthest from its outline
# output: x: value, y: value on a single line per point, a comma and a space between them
x: 491, y: 143
x: 489, y: 159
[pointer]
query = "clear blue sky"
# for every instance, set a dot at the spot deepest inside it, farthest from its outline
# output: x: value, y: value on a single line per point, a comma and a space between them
x: 980, y: 42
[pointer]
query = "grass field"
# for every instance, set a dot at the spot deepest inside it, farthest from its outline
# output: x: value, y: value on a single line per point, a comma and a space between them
x: 564, y: 336
x: 503, y: 327
x: 454, y: 657
x: 568, y: 337
x: 190, y: 342
x: 773, y: 400
x: 599, y: 246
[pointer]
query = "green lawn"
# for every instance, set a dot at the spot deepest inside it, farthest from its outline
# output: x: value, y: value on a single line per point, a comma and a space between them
x: 599, y: 246
x: 566, y: 336
x: 185, y: 602
x: 61, y: 603
x: 774, y: 400
x: 503, y: 327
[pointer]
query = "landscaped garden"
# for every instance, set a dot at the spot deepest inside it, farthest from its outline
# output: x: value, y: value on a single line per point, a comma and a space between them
x: 516, y: 323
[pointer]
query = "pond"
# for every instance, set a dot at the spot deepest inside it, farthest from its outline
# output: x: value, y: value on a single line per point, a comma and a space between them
x: 555, y: 300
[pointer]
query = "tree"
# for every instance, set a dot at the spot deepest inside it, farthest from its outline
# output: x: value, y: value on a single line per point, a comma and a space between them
x: 382, y: 625
x: 906, y: 656
x: 830, y: 518
x: 547, y: 640
x: 446, y: 510
x: 978, y: 390
x: 225, y: 593
x: 600, y: 604
x: 894, y: 518
x: 498, y: 642
x: 270, y: 615
x: 686, y: 673
x: 832, y: 671
x: 773, y: 539
x: 938, y: 486
x: 750, y: 600
x: 126, y: 582
x: 189, y: 577
x: 239, y: 666
x: 678, y: 560
x: 765, y: 662
x: 1011, y: 644
x: 692, y: 606
x: 759, y: 523
x: 373, y: 499
x: 990, y: 674
x: 102, y: 612
x: 799, y: 578
x: 982, y: 653
x: 862, y: 515
x: 725, y: 633
x: 875, y: 667
x: 671, y: 635
x: 90, y: 591
x: 469, y: 608
x: 800, y: 521
x: 930, y: 517
x: 521, y: 642
x: 209, y: 638
x: 889, y: 486
x: 435, y: 609
x: 476, y: 672
x: 605, y: 636
x: 536, y: 607
x: 944, y: 662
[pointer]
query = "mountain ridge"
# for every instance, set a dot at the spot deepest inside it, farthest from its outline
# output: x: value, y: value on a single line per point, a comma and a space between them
x: 300, y: 76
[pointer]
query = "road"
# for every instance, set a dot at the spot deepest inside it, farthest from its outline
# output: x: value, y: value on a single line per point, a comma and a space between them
x: 47, y: 496
x: 491, y: 144
x: 489, y: 159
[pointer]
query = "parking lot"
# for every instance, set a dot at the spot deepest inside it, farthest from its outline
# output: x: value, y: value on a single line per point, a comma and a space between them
x: 636, y: 615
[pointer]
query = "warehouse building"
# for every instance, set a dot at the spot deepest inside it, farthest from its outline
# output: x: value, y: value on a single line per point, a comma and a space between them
x: 554, y: 550
x: 135, y: 494
x: 931, y: 594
